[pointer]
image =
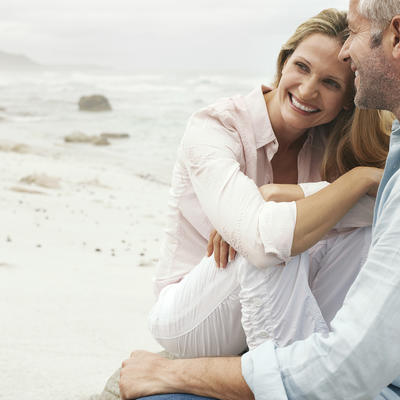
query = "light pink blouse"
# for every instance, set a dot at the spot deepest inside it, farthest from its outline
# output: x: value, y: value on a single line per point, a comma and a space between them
x: 224, y: 156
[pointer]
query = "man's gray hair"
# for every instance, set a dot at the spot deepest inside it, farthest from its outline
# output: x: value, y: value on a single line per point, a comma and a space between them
x: 379, y: 13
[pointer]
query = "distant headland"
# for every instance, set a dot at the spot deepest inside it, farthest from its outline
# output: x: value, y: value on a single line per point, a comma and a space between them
x: 19, y: 61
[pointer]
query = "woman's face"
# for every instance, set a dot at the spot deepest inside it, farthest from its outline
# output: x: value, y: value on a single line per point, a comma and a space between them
x: 315, y: 86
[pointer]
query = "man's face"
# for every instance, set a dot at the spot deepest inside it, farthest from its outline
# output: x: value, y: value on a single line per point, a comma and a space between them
x: 372, y: 82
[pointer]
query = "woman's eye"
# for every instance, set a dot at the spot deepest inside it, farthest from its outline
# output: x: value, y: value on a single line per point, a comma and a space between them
x: 332, y: 83
x: 302, y: 66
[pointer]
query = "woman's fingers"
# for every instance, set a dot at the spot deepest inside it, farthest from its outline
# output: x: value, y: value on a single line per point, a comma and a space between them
x: 216, y: 243
x: 232, y: 253
x: 210, y: 245
x: 223, y: 254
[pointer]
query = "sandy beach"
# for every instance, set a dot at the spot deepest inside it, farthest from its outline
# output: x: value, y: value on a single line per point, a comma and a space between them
x: 79, y: 242
x: 82, y: 222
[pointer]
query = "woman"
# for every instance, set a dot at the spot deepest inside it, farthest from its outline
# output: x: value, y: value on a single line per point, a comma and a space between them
x: 230, y: 157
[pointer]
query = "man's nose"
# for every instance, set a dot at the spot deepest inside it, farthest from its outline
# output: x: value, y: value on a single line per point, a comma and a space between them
x: 344, y: 55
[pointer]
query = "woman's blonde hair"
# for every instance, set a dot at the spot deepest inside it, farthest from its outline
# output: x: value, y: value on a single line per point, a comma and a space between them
x: 356, y: 137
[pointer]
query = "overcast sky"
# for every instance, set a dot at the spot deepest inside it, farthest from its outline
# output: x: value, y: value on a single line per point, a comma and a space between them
x: 154, y: 34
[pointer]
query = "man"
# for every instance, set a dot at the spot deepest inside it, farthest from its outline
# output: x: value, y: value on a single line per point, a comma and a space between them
x: 362, y: 353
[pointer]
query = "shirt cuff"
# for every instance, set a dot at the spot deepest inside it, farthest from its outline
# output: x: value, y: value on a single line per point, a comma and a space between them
x: 261, y: 372
x: 276, y: 226
x: 310, y: 188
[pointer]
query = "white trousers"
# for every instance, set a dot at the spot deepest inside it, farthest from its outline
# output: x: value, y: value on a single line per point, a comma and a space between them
x: 216, y: 312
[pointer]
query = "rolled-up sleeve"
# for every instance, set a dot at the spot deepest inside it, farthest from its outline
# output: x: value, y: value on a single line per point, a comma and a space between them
x: 260, y: 231
x: 310, y: 188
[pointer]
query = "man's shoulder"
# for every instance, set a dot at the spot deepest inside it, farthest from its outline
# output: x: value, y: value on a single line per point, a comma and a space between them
x: 392, y: 189
x: 388, y: 210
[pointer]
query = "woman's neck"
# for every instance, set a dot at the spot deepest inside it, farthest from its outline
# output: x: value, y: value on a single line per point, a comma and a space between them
x: 288, y: 137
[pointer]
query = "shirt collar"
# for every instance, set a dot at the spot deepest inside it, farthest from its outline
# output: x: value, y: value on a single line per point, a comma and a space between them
x: 396, y: 127
x: 262, y: 128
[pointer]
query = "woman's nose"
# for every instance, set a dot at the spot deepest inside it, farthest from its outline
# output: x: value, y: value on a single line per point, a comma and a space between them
x: 308, y: 89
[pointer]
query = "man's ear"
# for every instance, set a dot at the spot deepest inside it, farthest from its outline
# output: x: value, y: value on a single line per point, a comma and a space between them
x: 395, y: 30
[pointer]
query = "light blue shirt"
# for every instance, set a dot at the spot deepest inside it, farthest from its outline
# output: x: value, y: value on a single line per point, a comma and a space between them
x: 362, y: 353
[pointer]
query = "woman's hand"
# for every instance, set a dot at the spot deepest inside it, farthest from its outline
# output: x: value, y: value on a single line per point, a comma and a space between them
x: 375, y: 174
x: 281, y: 192
x: 223, y: 252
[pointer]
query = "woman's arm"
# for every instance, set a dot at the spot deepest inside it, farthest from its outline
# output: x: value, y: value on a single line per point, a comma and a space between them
x: 261, y: 231
x: 281, y: 192
x: 319, y: 213
x: 222, y: 251
x: 212, y: 156
x: 316, y: 214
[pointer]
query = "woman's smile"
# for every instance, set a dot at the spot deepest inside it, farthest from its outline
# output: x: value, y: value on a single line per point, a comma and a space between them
x: 302, y: 107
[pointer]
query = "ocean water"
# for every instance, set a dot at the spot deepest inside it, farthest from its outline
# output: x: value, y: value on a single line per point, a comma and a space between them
x: 41, y: 107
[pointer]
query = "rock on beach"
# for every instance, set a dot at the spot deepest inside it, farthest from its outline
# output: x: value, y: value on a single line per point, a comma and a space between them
x: 80, y: 137
x: 115, y: 135
x: 96, y: 102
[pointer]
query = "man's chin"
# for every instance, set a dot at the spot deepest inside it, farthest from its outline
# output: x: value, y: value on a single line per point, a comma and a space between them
x: 361, y: 99
x: 371, y: 101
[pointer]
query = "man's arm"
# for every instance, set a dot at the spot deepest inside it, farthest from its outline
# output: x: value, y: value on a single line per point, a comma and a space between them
x: 145, y: 374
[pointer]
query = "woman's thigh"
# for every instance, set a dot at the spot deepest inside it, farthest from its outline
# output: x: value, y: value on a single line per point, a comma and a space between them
x: 277, y: 303
x: 335, y: 264
x: 200, y: 316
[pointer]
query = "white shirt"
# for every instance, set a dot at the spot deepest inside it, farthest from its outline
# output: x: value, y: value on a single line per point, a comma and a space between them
x: 225, y: 155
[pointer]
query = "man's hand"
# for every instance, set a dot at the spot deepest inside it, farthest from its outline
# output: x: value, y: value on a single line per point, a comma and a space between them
x: 142, y: 375
x: 223, y: 252
x: 146, y: 374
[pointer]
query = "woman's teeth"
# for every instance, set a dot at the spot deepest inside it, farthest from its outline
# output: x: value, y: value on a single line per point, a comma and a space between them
x: 356, y: 73
x: 302, y: 107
